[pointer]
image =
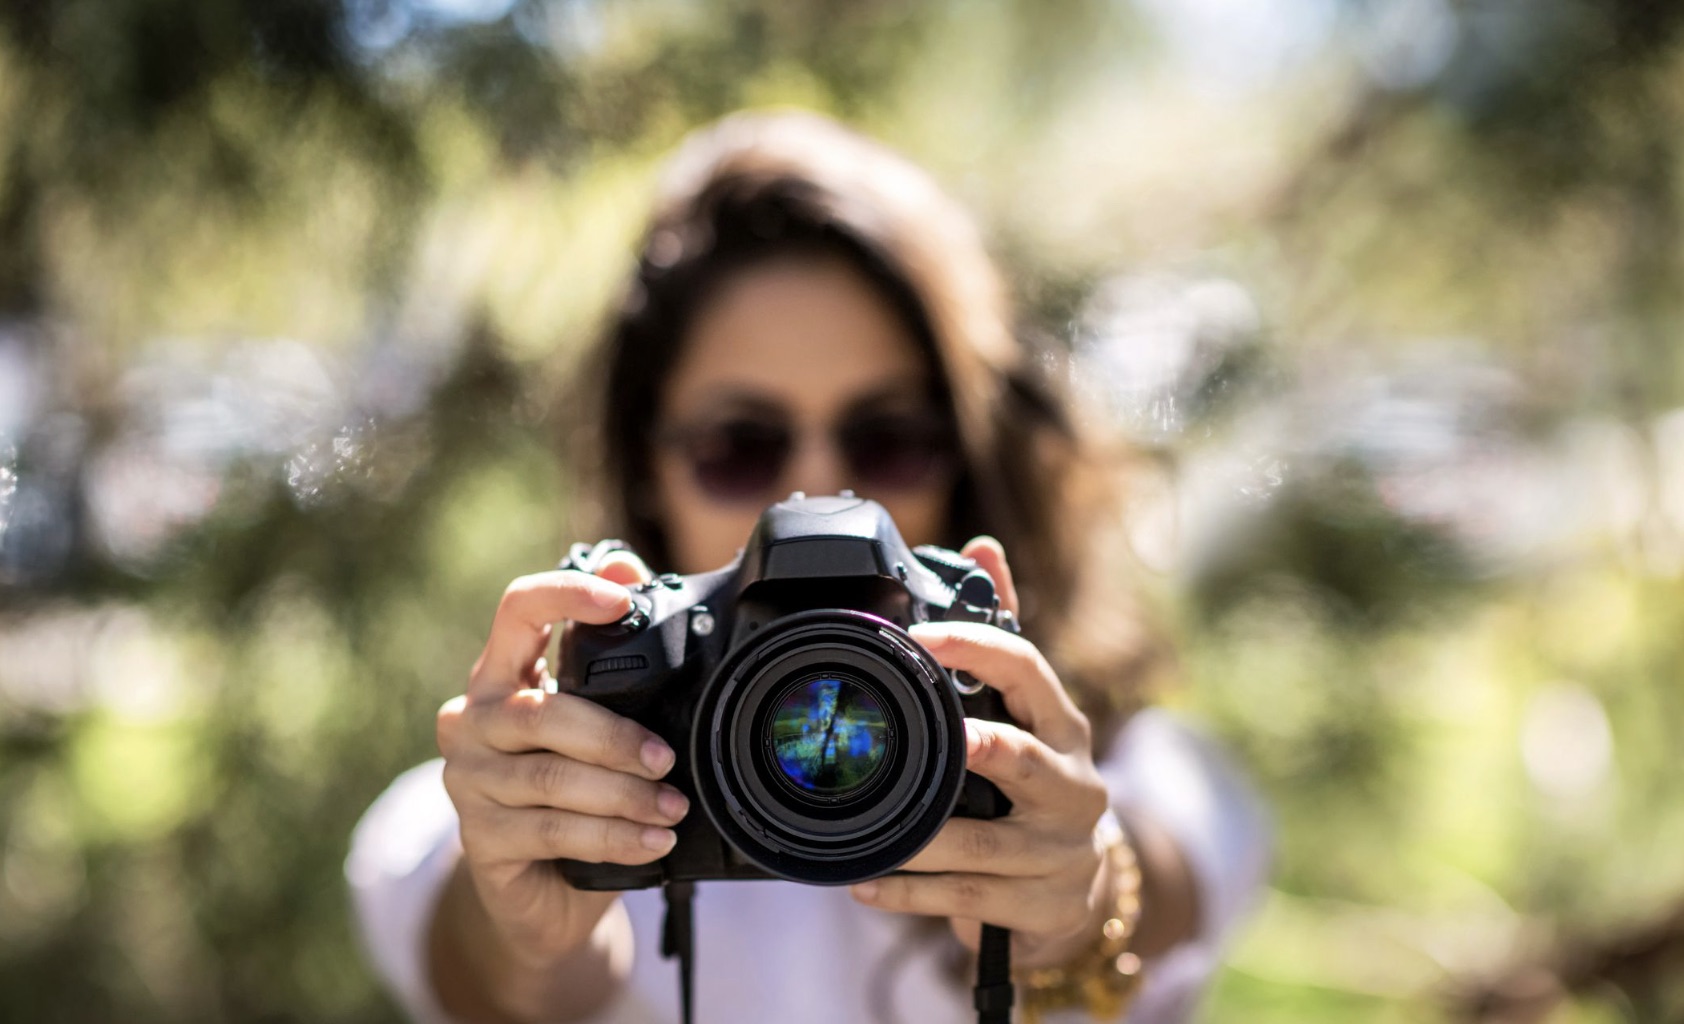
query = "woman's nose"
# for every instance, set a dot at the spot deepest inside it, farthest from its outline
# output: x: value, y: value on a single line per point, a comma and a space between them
x: 816, y: 467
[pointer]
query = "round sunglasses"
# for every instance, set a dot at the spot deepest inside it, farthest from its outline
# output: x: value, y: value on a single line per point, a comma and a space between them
x: 743, y: 457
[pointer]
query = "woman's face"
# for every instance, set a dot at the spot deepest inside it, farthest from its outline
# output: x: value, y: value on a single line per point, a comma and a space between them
x: 796, y: 376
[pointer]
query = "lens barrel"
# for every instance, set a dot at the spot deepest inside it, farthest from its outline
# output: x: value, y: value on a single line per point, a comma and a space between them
x: 829, y: 748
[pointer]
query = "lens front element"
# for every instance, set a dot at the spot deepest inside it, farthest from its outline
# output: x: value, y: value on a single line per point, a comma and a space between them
x: 828, y: 735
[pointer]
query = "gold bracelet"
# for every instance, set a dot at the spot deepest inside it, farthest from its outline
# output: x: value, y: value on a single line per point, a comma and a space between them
x: 1105, y: 977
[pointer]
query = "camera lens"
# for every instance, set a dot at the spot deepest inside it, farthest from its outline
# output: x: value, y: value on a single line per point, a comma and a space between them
x: 828, y: 735
x: 829, y: 748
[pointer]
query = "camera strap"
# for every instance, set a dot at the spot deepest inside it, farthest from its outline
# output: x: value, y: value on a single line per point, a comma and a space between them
x: 993, y: 994
x: 678, y: 938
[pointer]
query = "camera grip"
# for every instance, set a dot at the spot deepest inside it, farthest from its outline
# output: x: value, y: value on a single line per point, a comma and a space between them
x: 979, y: 797
x: 982, y: 799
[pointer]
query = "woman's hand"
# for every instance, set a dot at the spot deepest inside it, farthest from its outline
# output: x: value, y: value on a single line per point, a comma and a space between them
x: 537, y: 776
x: 1040, y: 870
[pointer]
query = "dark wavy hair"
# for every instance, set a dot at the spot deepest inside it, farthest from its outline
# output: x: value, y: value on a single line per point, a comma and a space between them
x: 760, y: 187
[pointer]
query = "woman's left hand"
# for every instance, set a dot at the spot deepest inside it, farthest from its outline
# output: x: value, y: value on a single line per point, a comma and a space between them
x: 1040, y: 870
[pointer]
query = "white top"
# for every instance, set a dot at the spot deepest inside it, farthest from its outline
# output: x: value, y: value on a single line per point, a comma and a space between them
x: 777, y: 951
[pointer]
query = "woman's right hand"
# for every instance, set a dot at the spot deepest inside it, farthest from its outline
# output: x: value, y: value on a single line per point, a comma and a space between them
x: 536, y: 776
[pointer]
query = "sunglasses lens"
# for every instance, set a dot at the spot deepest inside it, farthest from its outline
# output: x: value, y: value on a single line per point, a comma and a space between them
x: 896, y: 451
x: 739, y: 459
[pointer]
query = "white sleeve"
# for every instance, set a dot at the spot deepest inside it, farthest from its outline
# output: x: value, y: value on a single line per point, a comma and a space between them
x: 402, y: 853
x: 408, y: 842
x: 1163, y: 769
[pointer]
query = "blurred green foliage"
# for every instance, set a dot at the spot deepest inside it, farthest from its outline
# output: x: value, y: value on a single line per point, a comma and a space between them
x: 378, y: 229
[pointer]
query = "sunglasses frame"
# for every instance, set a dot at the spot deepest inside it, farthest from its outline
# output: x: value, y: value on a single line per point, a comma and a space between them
x: 929, y: 428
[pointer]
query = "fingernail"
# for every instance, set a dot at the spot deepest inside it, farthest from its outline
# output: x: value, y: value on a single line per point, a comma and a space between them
x: 865, y: 891
x: 973, y: 739
x: 609, y: 596
x: 656, y: 756
x: 672, y: 803
x: 659, y: 839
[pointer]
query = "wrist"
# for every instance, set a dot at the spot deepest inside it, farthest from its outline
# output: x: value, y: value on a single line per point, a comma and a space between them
x: 1099, y: 971
x: 483, y: 973
x: 464, y: 960
x: 1055, y: 950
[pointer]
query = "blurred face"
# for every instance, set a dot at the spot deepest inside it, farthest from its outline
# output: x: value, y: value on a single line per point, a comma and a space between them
x: 797, y: 376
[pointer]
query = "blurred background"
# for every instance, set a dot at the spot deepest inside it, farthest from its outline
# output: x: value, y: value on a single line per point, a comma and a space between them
x: 1387, y: 292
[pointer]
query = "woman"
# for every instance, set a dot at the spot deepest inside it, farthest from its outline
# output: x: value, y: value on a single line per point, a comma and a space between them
x: 811, y: 313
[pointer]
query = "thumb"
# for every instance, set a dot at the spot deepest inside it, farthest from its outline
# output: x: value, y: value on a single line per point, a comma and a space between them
x: 624, y: 568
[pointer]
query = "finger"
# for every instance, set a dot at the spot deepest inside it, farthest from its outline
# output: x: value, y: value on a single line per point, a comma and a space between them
x: 625, y: 568
x: 1018, y: 904
x: 493, y: 833
x: 1032, y: 775
x: 1012, y: 665
x: 532, y: 720
x: 537, y: 675
x: 991, y: 558
x: 449, y: 724
x: 985, y: 847
x: 543, y: 779
x: 521, y: 626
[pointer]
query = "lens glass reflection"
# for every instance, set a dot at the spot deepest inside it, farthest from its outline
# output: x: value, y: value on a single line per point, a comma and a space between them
x: 828, y: 735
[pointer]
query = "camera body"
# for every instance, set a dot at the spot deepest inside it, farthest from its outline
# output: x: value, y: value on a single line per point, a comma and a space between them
x: 816, y: 740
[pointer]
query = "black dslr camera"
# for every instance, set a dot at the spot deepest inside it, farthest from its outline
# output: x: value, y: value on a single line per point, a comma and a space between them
x: 820, y: 742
